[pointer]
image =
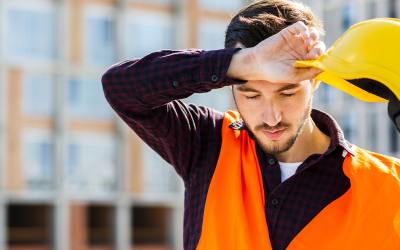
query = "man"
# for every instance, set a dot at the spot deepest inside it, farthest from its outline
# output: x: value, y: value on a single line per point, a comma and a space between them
x: 257, y: 180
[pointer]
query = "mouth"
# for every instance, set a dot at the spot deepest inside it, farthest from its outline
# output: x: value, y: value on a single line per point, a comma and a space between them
x: 274, y: 135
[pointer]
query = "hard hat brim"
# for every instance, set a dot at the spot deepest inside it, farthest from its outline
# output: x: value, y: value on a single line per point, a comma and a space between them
x: 337, y: 72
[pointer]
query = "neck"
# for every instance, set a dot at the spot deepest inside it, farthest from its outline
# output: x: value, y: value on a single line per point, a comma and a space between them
x: 310, y: 141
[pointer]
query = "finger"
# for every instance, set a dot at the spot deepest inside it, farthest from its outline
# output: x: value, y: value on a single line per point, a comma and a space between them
x: 299, y: 28
x: 317, y: 44
x: 314, y: 36
x: 316, y: 50
x: 307, y: 74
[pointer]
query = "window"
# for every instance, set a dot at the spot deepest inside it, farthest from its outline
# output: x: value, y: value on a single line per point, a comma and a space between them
x: 211, y: 35
x: 38, y: 160
x: 348, y: 16
x: 393, y: 8
x: 100, y: 38
x: 150, y: 227
x: 30, y: 226
x: 332, y: 25
x: 393, y: 138
x: 158, y: 175
x: 348, y: 98
x: 148, y: 33
x: 371, y: 10
x: 219, y: 99
x: 222, y: 5
x: 328, y: 93
x: 373, y: 131
x: 349, y: 126
x: 100, y: 225
x: 86, y: 100
x: 91, y: 163
x: 38, y: 92
x: 31, y: 32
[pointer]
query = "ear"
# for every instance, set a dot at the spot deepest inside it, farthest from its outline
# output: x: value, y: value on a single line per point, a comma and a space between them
x: 315, y: 84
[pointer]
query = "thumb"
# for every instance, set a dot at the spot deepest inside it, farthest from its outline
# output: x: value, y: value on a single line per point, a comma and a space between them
x: 307, y: 74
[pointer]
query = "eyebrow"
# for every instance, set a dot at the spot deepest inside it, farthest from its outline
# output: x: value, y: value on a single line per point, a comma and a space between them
x: 286, y: 87
x: 246, y: 89
x: 289, y: 86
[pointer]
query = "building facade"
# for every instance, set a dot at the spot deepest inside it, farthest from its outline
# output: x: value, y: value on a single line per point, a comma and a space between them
x: 73, y: 176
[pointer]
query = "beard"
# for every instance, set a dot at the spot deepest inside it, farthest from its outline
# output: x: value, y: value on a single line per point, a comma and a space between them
x: 276, y: 147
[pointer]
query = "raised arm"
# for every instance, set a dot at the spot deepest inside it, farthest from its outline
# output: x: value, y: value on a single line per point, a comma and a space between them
x: 145, y: 93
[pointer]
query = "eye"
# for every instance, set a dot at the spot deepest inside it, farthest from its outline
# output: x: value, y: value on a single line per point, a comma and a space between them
x: 288, y: 95
x: 252, y: 97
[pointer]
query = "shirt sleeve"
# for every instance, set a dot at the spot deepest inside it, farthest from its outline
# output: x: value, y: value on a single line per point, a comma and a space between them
x: 146, y: 94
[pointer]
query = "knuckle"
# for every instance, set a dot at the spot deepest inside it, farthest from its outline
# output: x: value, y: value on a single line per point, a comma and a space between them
x: 300, y: 23
x: 314, y: 35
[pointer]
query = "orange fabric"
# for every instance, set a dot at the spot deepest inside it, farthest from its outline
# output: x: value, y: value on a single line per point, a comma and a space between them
x: 366, y: 217
x: 234, y: 213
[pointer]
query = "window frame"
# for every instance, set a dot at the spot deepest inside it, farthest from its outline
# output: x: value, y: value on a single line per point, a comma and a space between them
x: 98, y: 12
x: 211, y: 26
x: 136, y: 17
x: 26, y: 95
x: 37, y: 7
x: 91, y: 138
x: 42, y: 136
x: 108, y: 113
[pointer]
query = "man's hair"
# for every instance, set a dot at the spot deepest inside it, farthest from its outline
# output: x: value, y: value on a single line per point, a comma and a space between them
x: 262, y: 19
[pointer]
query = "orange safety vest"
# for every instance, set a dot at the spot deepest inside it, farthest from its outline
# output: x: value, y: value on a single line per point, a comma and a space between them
x: 366, y: 217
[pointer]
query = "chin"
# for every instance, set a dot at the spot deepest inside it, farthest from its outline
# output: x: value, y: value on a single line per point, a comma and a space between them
x: 276, y: 146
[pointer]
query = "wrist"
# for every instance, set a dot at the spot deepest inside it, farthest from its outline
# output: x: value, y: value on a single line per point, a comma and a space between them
x: 242, y: 65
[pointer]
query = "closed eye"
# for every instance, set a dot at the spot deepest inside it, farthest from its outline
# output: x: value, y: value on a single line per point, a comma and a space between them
x: 252, y: 97
x: 288, y: 95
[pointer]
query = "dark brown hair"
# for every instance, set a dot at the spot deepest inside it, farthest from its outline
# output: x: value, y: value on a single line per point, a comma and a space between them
x: 262, y: 19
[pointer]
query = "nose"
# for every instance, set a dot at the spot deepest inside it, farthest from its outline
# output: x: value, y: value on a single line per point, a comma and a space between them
x: 272, y: 114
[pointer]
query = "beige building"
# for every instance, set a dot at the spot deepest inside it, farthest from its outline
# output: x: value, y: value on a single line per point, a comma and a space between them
x: 72, y: 174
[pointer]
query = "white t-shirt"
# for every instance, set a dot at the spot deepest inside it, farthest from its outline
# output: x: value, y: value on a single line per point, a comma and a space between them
x: 288, y: 169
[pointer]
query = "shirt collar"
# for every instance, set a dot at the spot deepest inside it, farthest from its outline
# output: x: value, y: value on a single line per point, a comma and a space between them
x: 324, y: 122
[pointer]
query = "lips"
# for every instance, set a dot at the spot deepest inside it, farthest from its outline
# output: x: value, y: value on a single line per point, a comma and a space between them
x: 275, y: 135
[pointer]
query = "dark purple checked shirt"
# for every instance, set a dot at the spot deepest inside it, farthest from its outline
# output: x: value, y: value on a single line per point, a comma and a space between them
x: 145, y: 93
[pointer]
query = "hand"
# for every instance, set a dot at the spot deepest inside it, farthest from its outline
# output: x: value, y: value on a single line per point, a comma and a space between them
x: 274, y: 58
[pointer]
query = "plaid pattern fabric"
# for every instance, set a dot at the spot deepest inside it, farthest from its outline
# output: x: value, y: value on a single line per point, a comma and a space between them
x: 145, y: 93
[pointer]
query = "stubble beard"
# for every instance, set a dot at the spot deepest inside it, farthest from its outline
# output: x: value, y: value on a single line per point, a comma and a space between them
x: 276, y: 148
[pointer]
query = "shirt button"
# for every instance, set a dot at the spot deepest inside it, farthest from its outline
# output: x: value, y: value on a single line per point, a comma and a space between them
x: 275, y: 202
x: 271, y: 161
x: 175, y: 83
x: 214, y: 78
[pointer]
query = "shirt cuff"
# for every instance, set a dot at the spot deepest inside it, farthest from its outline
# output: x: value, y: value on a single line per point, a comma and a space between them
x: 214, y: 65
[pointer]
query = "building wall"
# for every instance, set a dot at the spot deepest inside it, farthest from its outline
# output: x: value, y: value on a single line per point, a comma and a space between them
x: 63, y: 149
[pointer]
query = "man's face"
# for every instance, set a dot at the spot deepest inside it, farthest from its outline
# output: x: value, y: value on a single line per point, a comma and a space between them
x: 274, y: 113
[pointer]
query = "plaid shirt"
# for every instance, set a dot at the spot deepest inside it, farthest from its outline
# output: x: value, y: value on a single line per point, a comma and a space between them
x: 145, y: 93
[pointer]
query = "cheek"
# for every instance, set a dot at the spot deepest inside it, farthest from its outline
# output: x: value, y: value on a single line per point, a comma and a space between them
x: 295, y: 108
x: 250, y: 111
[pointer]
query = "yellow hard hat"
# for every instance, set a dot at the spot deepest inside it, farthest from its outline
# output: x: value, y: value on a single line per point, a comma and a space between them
x: 365, y: 63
